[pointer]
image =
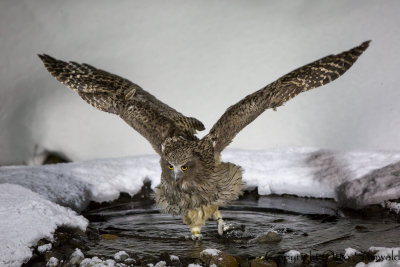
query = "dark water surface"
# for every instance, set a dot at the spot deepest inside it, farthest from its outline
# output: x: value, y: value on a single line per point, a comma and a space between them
x: 306, y: 225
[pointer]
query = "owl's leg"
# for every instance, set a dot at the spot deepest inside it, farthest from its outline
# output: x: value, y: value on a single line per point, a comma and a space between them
x: 220, y: 222
x: 195, y: 219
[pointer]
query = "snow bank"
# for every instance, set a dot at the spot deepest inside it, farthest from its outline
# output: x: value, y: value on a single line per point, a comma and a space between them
x: 355, y: 179
x: 25, y: 217
x: 76, y: 184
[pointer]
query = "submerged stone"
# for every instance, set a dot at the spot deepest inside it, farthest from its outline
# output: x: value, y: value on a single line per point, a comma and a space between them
x: 267, y: 237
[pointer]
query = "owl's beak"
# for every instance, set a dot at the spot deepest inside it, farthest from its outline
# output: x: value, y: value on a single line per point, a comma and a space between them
x: 177, y: 173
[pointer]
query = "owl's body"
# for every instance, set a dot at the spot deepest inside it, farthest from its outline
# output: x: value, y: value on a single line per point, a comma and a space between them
x: 194, y: 180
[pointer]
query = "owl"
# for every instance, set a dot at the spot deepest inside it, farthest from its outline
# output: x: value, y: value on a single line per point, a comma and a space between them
x: 195, y: 182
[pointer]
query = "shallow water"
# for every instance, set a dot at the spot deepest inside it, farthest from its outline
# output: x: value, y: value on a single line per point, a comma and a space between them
x: 308, y: 225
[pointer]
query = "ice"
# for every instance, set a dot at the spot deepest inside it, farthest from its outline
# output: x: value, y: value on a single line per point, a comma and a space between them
x: 25, y: 217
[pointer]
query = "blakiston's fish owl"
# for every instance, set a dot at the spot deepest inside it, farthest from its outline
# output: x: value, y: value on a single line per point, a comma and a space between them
x: 194, y: 180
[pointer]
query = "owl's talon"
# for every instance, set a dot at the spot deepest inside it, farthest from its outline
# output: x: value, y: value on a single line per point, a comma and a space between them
x: 221, y: 226
x: 197, y: 237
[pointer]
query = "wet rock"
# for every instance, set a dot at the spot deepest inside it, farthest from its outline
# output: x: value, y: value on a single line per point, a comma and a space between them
x: 109, y: 236
x: 361, y: 228
x: 267, y: 237
x: 130, y: 261
x: 171, y: 260
x: 261, y: 262
x: 218, y: 258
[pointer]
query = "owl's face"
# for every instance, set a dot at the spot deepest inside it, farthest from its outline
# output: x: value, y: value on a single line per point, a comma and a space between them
x: 180, y: 166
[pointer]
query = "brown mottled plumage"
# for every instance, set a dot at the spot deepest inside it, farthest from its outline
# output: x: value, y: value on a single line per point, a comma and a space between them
x: 194, y: 181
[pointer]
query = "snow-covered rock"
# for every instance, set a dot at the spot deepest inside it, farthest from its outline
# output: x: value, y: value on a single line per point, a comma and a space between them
x: 355, y: 179
x: 52, y: 262
x: 25, y: 217
x: 44, y: 248
x: 211, y: 252
x: 121, y: 256
x: 348, y: 252
x: 384, y: 257
x: 76, y: 184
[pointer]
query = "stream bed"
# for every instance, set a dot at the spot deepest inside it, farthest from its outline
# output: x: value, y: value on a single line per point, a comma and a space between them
x: 311, y: 226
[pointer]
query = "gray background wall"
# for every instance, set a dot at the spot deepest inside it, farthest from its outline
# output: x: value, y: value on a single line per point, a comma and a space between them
x: 199, y: 57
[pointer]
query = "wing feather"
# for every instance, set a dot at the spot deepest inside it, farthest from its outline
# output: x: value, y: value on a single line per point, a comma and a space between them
x: 277, y: 93
x: 152, y: 118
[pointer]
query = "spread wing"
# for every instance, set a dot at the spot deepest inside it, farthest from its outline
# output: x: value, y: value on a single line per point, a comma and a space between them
x: 108, y: 92
x: 277, y: 93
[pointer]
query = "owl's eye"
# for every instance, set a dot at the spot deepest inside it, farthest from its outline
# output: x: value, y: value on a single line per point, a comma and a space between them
x: 184, y: 168
x: 170, y: 167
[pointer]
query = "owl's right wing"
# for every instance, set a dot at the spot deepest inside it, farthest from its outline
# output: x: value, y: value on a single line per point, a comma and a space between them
x: 149, y: 116
x: 305, y: 78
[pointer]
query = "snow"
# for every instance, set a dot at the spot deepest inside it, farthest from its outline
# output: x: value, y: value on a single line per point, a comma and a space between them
x: 97, y: 262
x: 350, y: 252
x: 25, y: 217
x: 33, y: 194
x: 53, y: 262
x: 76, y: 257
x: 44, y: 248
x: 211, y: 251
x: 200, y: 63
x: 121, y: 256
x: 174, y: 258
x: 292, y: 256
x: 77, y: 253
x: 392, y: 206
x: 194, y: 265
x: 384, y: 257
x: 355, y: 179
x: 76, y: 184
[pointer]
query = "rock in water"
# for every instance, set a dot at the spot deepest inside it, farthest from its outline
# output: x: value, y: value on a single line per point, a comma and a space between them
x: 109, y: 236
x: 268, y: 237
x: 218, y: 258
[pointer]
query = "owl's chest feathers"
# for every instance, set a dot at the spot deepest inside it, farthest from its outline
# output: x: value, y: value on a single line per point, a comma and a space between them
x: 221, y: 186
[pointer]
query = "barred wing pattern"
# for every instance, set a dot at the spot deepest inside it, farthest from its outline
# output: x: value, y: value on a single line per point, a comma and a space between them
x: 277, y: 93
x: 152, y: 118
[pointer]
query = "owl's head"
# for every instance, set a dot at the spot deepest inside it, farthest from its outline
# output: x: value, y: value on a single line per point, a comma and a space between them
x: 181, y: 162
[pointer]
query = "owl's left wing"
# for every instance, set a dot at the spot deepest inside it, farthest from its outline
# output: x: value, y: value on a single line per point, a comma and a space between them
x: 277, y: 93
x: 111, y: 93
